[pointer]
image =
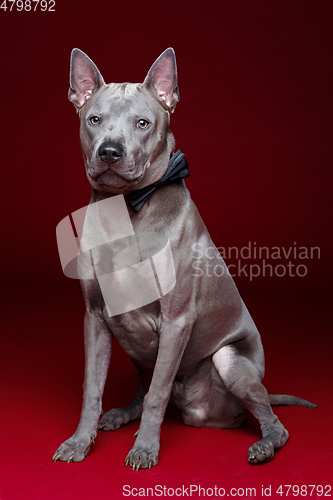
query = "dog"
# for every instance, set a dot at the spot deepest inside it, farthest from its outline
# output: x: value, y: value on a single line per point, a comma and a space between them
x: 194, y: 347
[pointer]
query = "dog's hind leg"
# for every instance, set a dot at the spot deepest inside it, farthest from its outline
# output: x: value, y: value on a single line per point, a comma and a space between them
x: 117, y: 417
x: 242, y: 377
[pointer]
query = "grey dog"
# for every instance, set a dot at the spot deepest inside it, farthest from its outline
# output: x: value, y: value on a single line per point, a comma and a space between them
x: 196, y: 347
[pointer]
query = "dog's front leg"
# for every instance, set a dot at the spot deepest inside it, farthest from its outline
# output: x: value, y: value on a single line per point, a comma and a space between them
x: 172, y: 343
x: 98, y: 342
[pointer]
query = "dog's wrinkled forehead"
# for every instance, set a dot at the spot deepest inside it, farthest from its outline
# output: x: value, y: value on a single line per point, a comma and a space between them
x: 129, y: 99
x: 119, y: 92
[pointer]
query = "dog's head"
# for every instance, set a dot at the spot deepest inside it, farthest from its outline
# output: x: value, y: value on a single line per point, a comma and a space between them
x: 125, y: 140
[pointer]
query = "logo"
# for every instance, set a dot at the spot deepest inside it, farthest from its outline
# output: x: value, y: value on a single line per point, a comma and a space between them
x: 132, y: 269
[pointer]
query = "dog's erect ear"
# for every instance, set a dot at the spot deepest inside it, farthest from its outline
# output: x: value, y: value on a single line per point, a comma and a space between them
x: 161, y: 79
x: 84, y: 78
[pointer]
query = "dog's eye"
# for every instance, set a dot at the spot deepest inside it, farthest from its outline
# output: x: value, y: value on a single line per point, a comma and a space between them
x: 142, y: 123
x: 94, y: 120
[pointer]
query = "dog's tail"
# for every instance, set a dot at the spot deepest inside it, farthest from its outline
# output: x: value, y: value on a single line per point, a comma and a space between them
x: 285, y: 400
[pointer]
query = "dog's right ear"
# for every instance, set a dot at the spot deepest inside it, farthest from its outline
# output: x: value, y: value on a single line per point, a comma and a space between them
x: 84, y: 78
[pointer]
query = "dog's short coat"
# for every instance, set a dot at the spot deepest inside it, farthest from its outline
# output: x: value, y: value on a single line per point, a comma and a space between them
x: 197, y: 346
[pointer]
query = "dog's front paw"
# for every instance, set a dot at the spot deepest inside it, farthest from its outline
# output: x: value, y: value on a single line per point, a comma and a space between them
x: 74, y: 449
x: 142, y: 458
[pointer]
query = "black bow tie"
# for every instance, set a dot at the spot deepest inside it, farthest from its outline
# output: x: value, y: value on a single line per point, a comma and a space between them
x: 177, y: 169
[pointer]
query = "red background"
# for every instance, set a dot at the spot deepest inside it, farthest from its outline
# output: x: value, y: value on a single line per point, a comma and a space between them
x: 255, y: 122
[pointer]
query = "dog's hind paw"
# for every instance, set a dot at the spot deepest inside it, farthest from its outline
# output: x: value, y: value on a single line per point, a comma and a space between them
x: 74, y: 450
x: 116, y: 418
x: 263, y: 450
x: 260, y: 452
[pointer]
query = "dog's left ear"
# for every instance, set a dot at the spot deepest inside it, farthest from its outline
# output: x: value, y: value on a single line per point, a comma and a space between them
x: 161, y: 79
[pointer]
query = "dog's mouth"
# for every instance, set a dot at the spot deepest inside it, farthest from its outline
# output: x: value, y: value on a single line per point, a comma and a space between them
x: 113, y: 179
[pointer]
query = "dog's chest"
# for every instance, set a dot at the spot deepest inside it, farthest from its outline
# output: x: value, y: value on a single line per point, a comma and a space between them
x: 136, y: 332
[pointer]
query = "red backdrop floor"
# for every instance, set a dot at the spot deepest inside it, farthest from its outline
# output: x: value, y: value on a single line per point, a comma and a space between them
x: 41, y: 391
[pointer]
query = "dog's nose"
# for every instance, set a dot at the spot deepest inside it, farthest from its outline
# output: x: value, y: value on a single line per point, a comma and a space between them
x: 110, y: 152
